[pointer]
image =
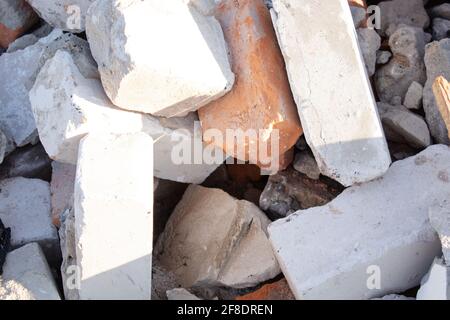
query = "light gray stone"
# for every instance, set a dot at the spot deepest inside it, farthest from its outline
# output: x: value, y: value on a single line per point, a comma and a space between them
x: 180, y: 294
x: 379, y: 228
x: 397, y: 12
x: 340, y: 123
x: 3, y: 146
x: 383, y: 57
x: 359, y: 15
x: 413, y: 97
x: 436, y: 284
x: 441, y: 29
x: 441, y: 11
x: 27, y: 276
x: 68, y: 15
x: 437, y: 61
x: 402, y: 125
x: 305, y: 163
x: 394, y: 79
x: 440, y: 221
x: 209, y: 245
x: 22, y: 42
x: 25, y: 208
x: 369, y: 42
x: 160, y: 57
x: 114, y: 196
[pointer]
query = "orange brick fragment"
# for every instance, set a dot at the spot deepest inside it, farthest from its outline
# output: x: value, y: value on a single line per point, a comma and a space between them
x: 275, y: 291
x: 260, y: 101
x: 17, y: 18
x: 441, y: 90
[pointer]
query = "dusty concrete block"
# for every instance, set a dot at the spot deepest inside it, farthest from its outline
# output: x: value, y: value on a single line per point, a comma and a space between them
x: 16, y: 17
x: 22, y: 42
x: 68, y: 15
x: 369, y: 43
x: 20, y: 69
x: 440, y: 220
x: 402, y: 125
x: 436, y: 284
x: 305, y: 163
x: 184, y: 67
x: 260, y: 104
x: 341, y: 124
x: 437, y: 61
x: 337, y: 251
x: 209, y: 245
x: 25, y: 208
x: 162, y: 281
x: 413, y: 97
x: 383, y: 57
x: 61, y: 188
x: 441, y: 28
x: 359, y: 15
x: 441, y: 91
x: 394, y: 79
x: 397, y: 12
x: 111, y: 268
x: 67, y: 105
x: 441, y: 11
x: 27, y: 276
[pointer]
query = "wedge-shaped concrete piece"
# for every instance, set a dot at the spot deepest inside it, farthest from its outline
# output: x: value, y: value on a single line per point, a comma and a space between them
x: 212, y: 239
x: 27, y: 276
x: 160, y: 57
x: 373, y: 234
x: 114, y: 216
x: 333, y: 95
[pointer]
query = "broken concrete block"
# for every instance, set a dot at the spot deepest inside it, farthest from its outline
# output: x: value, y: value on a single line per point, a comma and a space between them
x: 169, y: 78
x: 289, y: 191
x: 260, y: 104
x: 180, y: 294
x: 341, y: 124
x: 437, y: 61
x: 441, y: 91
x: 66, y: 106
x: 209, y: 245
x: 440, y: 220
x: 441, y: 11
x: 109, y: 267
x: 162, y: 281
x: 436, y: 284
x: 413, y: 97
x: 19, y: 70
x: 383, y: 57
x: 397, y: 12
x: 441, y: 28
x: 377, y: 229
x: 305, y: 163
x: 16, y: 17
x: 369, y: 43
x: 27, y: 276
x: 28, y: 162
x: 274, y: 291
x: 394, y: 79
x: 402, y: 125
x: 61, y: 188
x: 68, y: 15
x: 25, y: 208
x: 359, y: 15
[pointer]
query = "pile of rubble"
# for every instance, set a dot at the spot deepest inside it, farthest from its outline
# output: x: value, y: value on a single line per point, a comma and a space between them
x: 224, y: 149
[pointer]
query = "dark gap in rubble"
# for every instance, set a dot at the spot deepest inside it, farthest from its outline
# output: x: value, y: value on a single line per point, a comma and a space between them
x: 5, y: 243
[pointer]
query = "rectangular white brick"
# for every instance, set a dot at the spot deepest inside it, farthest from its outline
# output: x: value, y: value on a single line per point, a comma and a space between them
x: 114, y: 216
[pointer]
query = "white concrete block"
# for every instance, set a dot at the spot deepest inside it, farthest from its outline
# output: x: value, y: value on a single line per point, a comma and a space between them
x: 436, y: 284
x: 27, y: 276
x: 331, y: 88
x: 114, y: 216
x: 161, y: 57
x: 378, y: 229
x: 25, y: 208
x: 440, y: 220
